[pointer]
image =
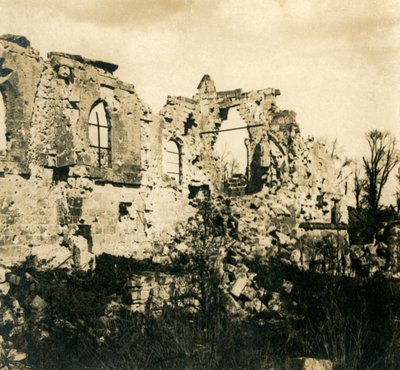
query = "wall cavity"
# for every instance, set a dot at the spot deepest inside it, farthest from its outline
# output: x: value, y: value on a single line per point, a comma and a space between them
x: 230, y: 146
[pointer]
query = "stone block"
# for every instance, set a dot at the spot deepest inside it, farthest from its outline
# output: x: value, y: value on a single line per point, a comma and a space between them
x: 306, y: 363
x: 3, y: 271
x: 38, y: 303
x: 4, y: 288
x: 238, y: 285
x: 14, y: 279
x: 144, y: 294
x: 249, y: 292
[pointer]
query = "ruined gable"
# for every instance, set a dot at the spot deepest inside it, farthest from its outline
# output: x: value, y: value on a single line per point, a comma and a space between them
x: 20, y: 71
x: 278, y: 159
x: 88, y: 167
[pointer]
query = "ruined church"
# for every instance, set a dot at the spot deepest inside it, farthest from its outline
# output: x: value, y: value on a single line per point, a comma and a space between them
x: 82, y: 157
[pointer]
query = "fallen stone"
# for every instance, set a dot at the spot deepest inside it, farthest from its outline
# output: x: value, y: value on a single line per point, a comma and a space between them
x: 2, y: 274
x: 182, y: 247
x: 287, y: 286
x: 371, y: 249
x: 295, y: 257
x: 231, y: 304
x: 305, y: 363
x: 249, y: 293
x: 229, y: 267
x: 271, y: 229
x: 144, y: 294
x: 16, y: 356
x: 4, y: 288
x: 160, y: 259
x: 283, y: 238
x: 38, y: 303
x: 238, y: 286
x: 14, y: 279
x: 242, y: 268
x: 7, y: 316
x: 255, y: 305
x: 15, y: 304
x: 255, y: 204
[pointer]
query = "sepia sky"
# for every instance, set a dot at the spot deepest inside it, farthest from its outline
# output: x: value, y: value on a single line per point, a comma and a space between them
x: 336, y: 62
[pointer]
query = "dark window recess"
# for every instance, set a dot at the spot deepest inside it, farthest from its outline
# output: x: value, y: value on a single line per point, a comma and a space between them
x: 189, y: 123
x: 100, y: 134
x: 194, y: 190
x: 196, y: 159
x: 74, y: 209
x: 223, y: 113
x: 60, y: 174
x: 173, y: 161
x: 1, y: 174
x: 86, y: 231
x: 123, y: 210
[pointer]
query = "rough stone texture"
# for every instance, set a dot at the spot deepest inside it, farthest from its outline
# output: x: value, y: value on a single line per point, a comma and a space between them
x: 279, y: 159
x: 18, y: 90
x: 55, y: 194
x: 304, y: 363
x: 51, y: 184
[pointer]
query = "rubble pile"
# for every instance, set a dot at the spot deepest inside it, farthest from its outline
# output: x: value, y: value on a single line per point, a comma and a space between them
x: 381, y: 256
x: 258, y: 228
x: 13, y: 319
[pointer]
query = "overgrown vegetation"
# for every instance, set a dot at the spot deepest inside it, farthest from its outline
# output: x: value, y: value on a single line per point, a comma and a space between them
x: 368, y: 184
x: 84, y: 320
x: 86, y: 325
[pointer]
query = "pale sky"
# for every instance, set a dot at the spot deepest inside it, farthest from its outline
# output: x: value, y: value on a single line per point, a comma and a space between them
x: 336, y: 62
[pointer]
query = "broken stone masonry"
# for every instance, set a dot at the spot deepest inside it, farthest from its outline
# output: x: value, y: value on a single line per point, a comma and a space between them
x: 69, y: 182
x: 86, y: 168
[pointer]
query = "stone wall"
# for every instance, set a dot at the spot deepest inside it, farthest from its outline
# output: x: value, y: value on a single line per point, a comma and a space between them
x: 95, y: 186
x: 279, y: 159
x: 52, y: 186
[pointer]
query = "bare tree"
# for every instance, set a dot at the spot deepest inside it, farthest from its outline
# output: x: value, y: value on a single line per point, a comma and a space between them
x: 383, y: 158
x: 358, y: 185
x: 397, y: 195
x: 226, y: 164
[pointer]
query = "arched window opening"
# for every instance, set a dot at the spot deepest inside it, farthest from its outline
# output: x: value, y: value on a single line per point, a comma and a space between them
x: 3, y: 144
x: 173, y: 161
x: 99, y: 134
x: 230, y: 147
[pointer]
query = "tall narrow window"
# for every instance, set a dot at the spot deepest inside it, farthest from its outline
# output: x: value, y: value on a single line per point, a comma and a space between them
x: 173, y: 161
x: 3, y: 143
x: 99, y: 134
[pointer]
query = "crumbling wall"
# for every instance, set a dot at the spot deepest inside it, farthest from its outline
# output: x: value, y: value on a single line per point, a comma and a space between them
x: 113, y: 193
x: 20, y: 69
x: 28, y: 217
x: 55, y: 189
x: 279, y: 159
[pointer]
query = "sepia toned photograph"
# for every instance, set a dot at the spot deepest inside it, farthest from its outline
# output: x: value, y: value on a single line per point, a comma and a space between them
x: 199, y: 184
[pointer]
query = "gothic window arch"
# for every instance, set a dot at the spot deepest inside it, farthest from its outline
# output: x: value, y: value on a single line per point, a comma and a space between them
x: 100, y: 134
x: 173, y: 160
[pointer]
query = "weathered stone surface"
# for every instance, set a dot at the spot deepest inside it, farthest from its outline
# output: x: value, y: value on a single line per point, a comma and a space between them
x: 239, y: 285
x: 60, y: 191
x: 19, y: 40
x: 38, y: 303
x: 304, y: 363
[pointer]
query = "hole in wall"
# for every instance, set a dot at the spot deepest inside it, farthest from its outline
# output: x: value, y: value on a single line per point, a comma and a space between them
x: 230, y: 146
